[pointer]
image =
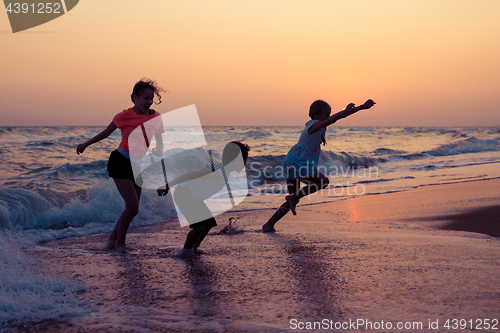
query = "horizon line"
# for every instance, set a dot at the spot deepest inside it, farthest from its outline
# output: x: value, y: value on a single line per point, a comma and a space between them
x: 462, y: 126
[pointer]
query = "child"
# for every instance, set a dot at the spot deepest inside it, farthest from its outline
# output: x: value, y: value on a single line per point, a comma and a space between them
x: 301, y: 162
x: 195, y: 187
x: 120, y: 163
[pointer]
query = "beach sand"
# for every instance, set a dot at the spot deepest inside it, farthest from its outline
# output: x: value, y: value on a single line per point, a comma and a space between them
x: 419, y: 256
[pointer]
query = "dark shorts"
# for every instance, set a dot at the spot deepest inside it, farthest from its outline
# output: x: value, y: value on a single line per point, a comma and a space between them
x: 120, y: 167
x: 208, y: 223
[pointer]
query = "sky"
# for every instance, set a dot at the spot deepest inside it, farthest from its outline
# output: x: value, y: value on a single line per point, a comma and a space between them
x: 258, y: 62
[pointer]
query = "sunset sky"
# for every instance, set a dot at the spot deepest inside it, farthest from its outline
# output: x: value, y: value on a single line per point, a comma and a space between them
x: 259, y: 62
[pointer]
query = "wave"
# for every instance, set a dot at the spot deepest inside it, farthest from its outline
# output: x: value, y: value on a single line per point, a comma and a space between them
x: 362, y: 129
x: 428, y: 167
x: 92, y: 167
x: 17, y: 207
x: 37, y: 135
x: 95, y: 210
x: 466, y: 146
x: 239, y: 134
x: 256, y: 134
x: 8, y: 131
x: 253, y: 134
x: 344, y: 159
x: 21, y: 131
x: 13, y: 133
x: 470, y: 145
x: 65, y: 177
x: 29, y: 295
x: 383, y: 180
x: 269, y: 168
x: 387, y: 151
x: 43, y: 143
x: 435, y: 130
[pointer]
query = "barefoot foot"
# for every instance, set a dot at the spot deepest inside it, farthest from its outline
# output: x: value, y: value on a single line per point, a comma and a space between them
x: 268, y: 228
x: 185, y: 253
x: 110, y: 245
x: 121, y: 249
x: 196, y: 250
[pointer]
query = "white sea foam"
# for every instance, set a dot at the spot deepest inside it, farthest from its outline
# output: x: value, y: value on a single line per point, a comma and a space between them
x: 26, y: 294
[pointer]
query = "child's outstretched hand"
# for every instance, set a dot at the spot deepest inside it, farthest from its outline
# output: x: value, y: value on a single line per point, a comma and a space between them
x: 80, y: 148
x: 368, y: 104
x: 162, y: 191
x: 350, y: 107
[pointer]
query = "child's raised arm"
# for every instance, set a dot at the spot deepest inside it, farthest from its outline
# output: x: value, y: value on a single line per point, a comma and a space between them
x: 103, y: 135
x: 349, y: 110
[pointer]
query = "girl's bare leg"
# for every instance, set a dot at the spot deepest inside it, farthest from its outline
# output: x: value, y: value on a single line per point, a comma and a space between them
x: 280, y: 212
x: 318, y: 182
x: 293, y: 186
x: 131, y: 194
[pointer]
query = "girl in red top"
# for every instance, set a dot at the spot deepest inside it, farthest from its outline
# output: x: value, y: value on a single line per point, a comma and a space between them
x: 120, y: 160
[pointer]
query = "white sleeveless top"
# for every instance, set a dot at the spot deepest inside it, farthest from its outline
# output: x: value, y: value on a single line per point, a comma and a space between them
x: 308, y: 149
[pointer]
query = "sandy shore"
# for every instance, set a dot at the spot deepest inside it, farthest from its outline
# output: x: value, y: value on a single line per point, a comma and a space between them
x: 420, y: 256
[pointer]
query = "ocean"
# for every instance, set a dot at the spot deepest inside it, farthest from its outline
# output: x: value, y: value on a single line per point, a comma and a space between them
x: 49, y: 192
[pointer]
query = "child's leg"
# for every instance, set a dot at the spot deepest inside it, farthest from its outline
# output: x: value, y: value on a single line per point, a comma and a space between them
x: 318, y: 181
x: 209, y: 224
x: 192, y: 236
x: 131, y: 194
x: 195, y: 211
x: 293, y: 185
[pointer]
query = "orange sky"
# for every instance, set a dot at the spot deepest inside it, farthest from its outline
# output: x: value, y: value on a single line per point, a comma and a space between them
x: 259, y: 62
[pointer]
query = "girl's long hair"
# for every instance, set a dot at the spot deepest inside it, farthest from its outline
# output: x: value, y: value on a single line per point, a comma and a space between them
x: 146, y: 84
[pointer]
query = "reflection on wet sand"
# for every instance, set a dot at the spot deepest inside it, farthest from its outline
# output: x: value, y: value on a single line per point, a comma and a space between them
x: 314, y: 281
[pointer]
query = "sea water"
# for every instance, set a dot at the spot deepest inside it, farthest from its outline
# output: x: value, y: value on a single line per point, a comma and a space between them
x: 49, y: 192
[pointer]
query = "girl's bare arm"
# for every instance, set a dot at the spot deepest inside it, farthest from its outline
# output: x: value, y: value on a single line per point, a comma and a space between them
x: 187, y: 176
x: 103, y: 135
x: 349, y: 110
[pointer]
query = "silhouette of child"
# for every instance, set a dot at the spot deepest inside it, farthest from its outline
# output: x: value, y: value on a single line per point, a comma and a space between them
x: 195, y: 187
x: 301, y: 162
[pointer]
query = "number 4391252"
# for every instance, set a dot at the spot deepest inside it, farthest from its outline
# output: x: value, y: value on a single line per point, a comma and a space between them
x: 39, y: 8
x: 477, y: 324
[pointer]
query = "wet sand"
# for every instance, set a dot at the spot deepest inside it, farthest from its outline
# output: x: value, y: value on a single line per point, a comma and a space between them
x: 414, y: 256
